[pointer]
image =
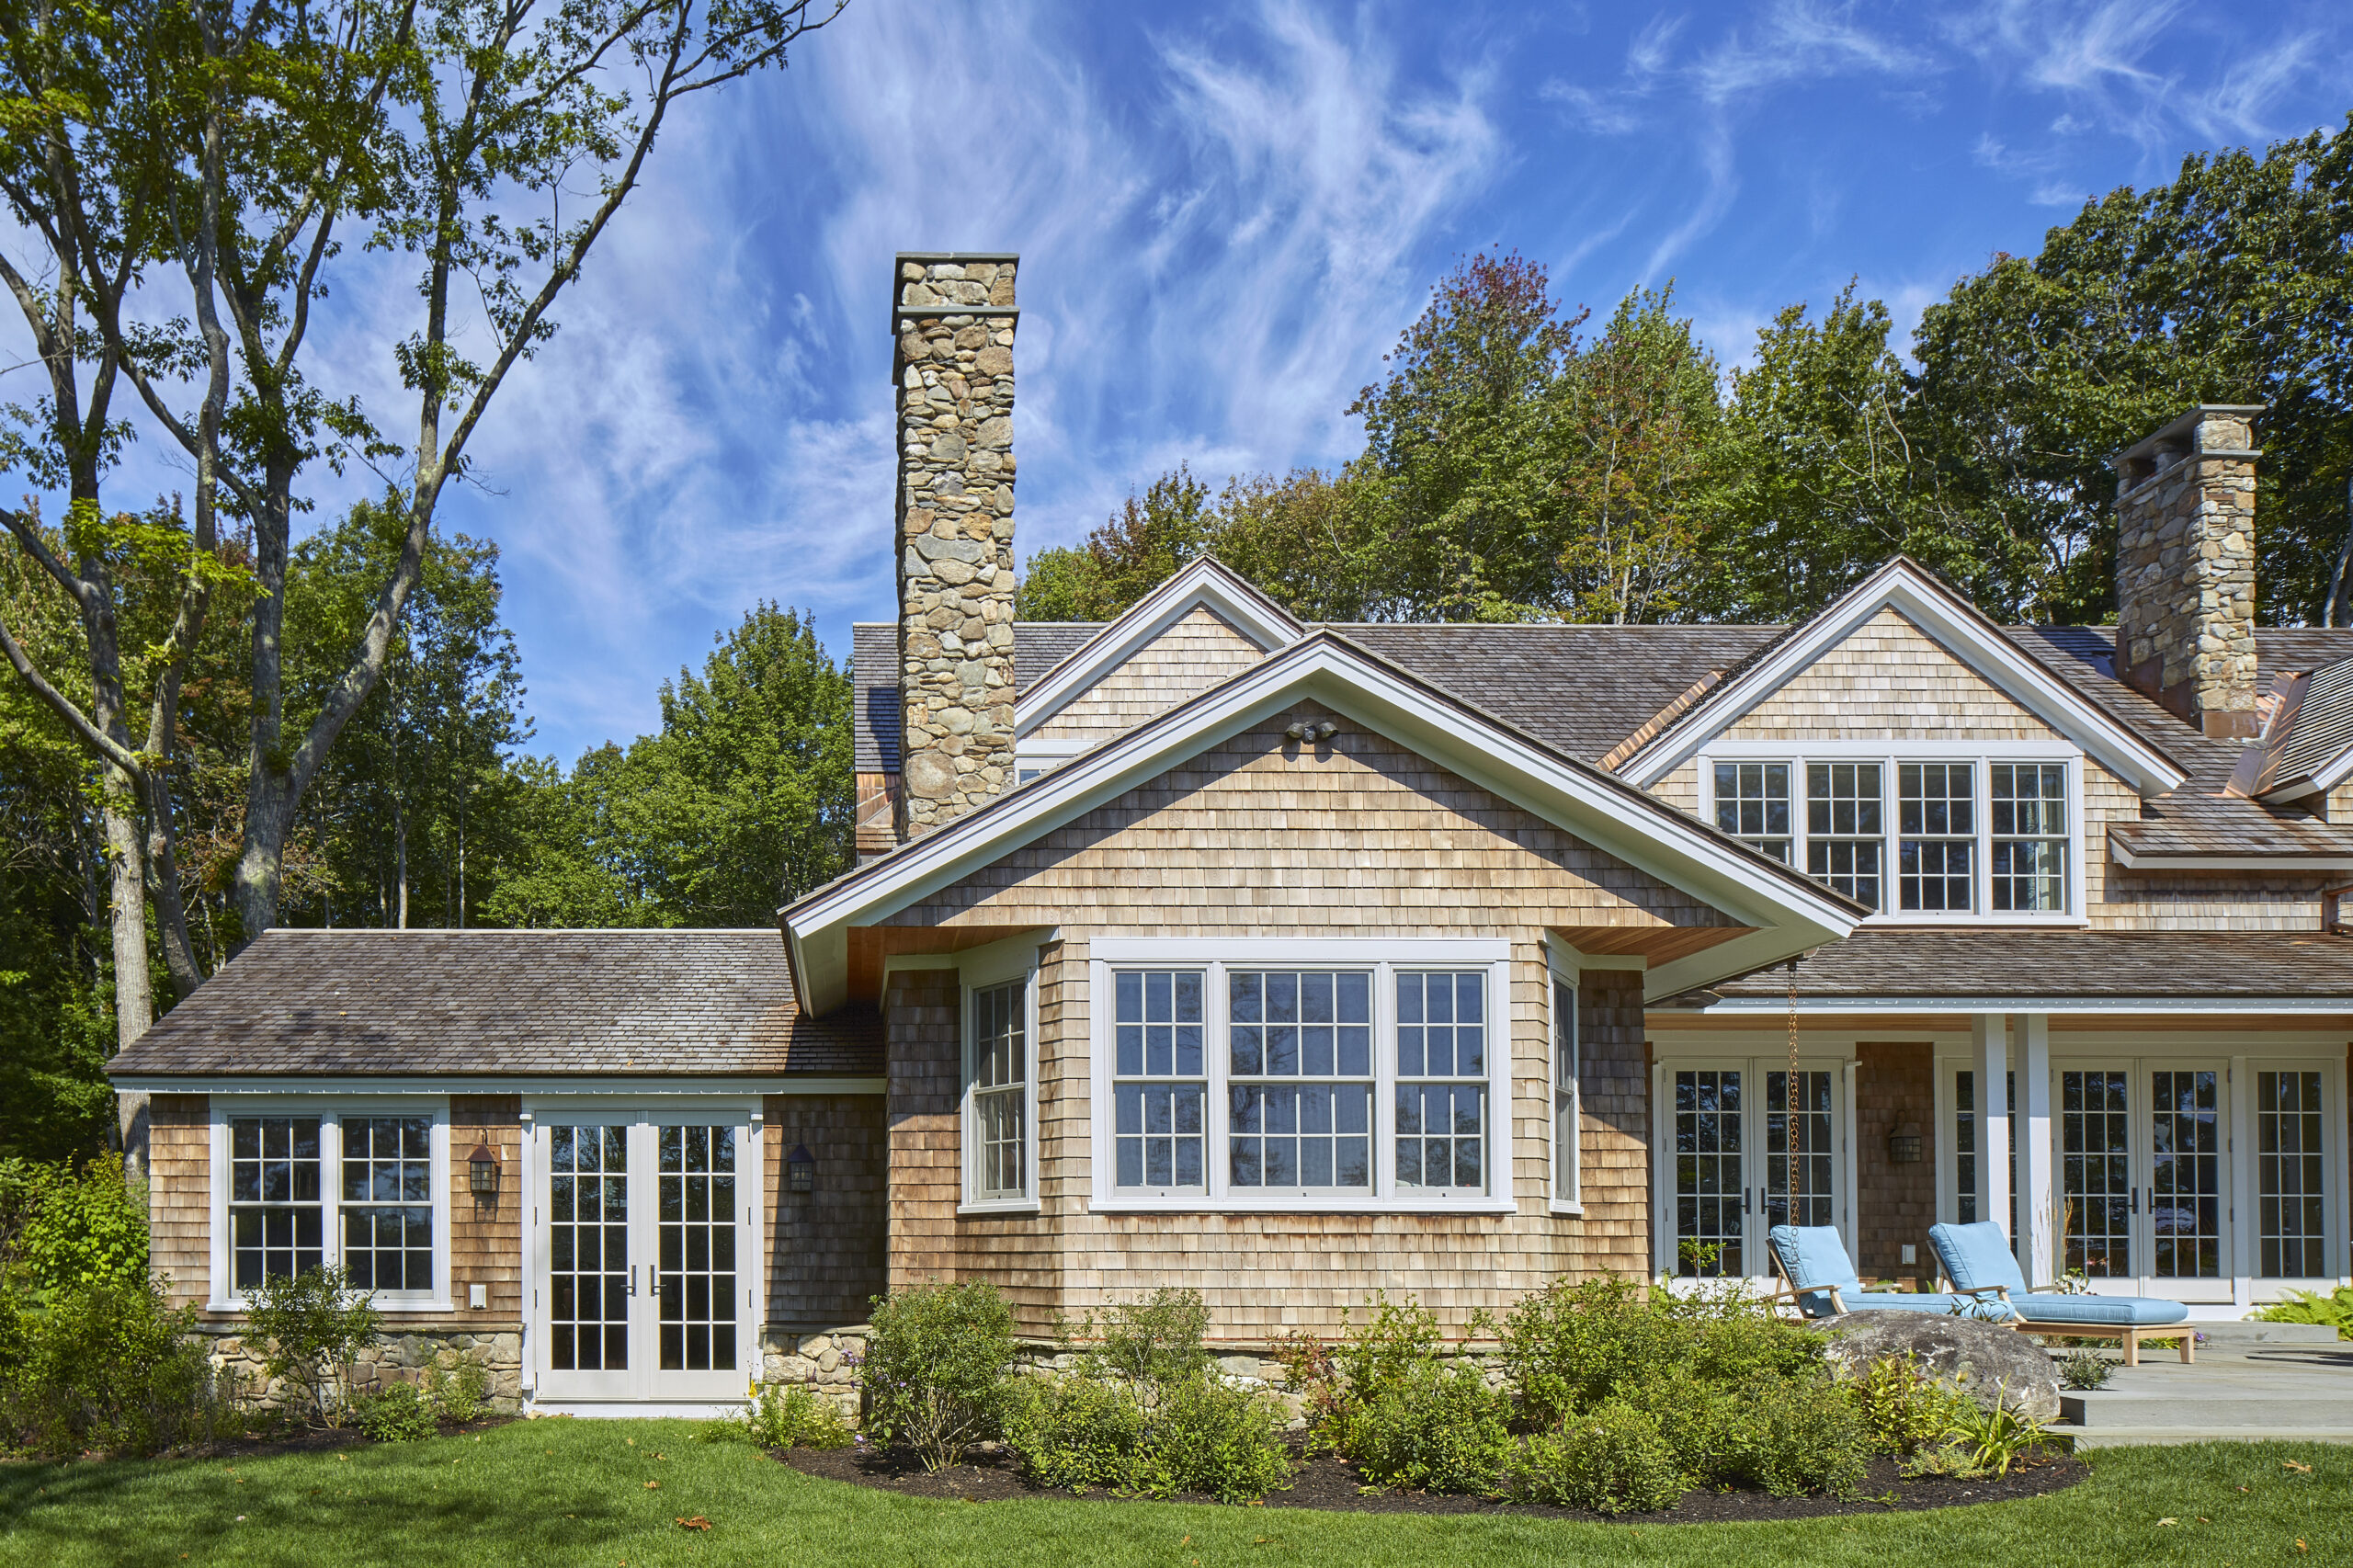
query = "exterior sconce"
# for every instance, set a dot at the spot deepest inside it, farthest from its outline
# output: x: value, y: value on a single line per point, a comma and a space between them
x: 1903, y: 1145
x: 801, y: 1170
x: 482, y: 1172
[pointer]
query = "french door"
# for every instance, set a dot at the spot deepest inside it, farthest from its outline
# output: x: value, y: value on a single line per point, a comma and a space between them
x: 646, y: 1237
x: 1728, y: 1167
x: 2141, y: 1187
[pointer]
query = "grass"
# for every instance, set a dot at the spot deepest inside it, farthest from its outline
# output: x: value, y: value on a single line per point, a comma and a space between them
x: 574, y: 1492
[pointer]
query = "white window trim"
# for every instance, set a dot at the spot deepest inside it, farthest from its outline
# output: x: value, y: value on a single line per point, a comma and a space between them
x: 1032, y: 755
x: 1560, y: 970
x: 986, y: 968
x: 1890, y: 757
x: 227, y: 1107
x: 1383, y: 958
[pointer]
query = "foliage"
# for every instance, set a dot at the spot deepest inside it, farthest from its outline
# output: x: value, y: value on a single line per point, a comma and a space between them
x: 462, y: 1395
x: 1791, y: 1437
x: 1611, y: 1458
x: 1905, y: 1409
x: 785, y: 1416
x: 315, y: 1324
x: 1430, y: 1428
x: 1569, y: 1346
x: 938, y: 1361
x: 1155, y: 1338
x: 1996, y: 1437
x: 2310, y: 1306
x: 1209, y: 1436
x: 1079, y: 1434
x: 2085, y: 1370
x: 109, y: 1366
x: 61, y: 1228
x: 395, y: 1413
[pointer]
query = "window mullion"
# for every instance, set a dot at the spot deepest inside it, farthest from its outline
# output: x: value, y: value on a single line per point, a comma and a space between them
x: 1217, y: 1063
x: 1384, y: 1080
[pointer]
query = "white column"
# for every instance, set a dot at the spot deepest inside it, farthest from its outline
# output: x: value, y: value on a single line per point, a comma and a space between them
x: 2038, y: 1209
x: 1990, y: 1059
x: 2239, y: 1098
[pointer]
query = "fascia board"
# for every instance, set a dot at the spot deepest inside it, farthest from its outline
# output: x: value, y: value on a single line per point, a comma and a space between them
x: 1960, y: 631
x: 1650, y: 837
x: 2142, y: 861
x: 412, y: 1085
x: 1741, y: 955
x: 1814, y: 1007
x: 1205, y: 582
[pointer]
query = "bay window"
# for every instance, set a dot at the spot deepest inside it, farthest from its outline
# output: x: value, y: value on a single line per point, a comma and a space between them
x: 1933, y: 830
x: 1272, y: 1074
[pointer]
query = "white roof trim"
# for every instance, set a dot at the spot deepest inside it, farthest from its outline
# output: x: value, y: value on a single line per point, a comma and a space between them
x: 1775, y: 1007
x: 1205, y: 582
x: 1963, y: 631
x: 2287, y: 860
x: 1794, y: 914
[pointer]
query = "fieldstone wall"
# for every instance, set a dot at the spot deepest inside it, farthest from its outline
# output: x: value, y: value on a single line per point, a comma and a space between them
x: 2185, y: 568
x: 827, y: 1363
x: 395, y: 1357
x: 953, y: 317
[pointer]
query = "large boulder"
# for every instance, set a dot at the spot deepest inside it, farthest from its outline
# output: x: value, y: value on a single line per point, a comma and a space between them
x: 1986, y: 1361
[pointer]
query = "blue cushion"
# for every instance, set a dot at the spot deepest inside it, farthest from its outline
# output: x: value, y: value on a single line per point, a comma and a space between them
x: 1946, y: 1306
x: 1977, y: 1257
x: 1812, y: 1255
x: 2107, y: 1312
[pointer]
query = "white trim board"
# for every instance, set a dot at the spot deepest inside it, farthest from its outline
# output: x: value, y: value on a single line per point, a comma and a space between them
x: 1790, y: 913
x: 1953, y: 624
x: 587, y: 1085
x: 1777, y: 1007
x: 1205, y: 583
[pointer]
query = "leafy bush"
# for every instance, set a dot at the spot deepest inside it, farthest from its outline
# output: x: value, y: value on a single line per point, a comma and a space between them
x: 1077, y: 1434
x: 109, y: 1366
x: 460, y: 1396
x: 2335, y: 1309
x: 62, y: 1228
x: 2085, y: 1370
x: 794, y: 1416
x: 1154, y: 1339
x: 1793, y: 1437
x: 936, y: 1367
x: 1612, y: 1460
x: 1904, y: 1409
x: 1399, y: 1342
x: 1196, y: 1433
x: 1211, y: 1437
x: 1433, y: 1429
x: 396, y: 1412
x: 315, y: 1325
x: 1569, y: 1346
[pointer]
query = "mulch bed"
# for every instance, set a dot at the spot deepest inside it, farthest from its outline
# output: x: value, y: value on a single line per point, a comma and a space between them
x: 313, y: 1439
x: 1325, y: 1482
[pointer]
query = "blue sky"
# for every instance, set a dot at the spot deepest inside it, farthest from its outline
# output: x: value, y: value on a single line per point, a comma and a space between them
x: 1226, y: 213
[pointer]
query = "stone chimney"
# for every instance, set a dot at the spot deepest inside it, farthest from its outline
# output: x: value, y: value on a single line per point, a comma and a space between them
x: 953, y: 316
x: 2185, y: 567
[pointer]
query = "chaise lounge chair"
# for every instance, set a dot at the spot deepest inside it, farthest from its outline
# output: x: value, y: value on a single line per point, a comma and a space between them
x: 1819, y: 1278
x: 1977, y: 1260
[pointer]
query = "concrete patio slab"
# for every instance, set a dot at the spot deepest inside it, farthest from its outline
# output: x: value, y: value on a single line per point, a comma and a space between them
x: 2269, y: 1382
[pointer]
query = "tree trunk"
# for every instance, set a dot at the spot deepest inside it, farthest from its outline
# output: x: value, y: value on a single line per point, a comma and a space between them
x: 163, y: 879
x: 2340, y: 582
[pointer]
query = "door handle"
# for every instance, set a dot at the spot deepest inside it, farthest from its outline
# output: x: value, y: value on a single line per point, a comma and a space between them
x: 632, y: 1280
x: 1745, y: 1193
x: 2136, y: 1200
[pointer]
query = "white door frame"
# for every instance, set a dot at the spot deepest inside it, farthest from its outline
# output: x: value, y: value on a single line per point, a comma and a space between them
x: 2139, y: 1276
x: 1755, y: 1168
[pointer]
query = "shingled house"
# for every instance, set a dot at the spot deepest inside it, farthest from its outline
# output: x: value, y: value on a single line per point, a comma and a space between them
x: 1292, y: 962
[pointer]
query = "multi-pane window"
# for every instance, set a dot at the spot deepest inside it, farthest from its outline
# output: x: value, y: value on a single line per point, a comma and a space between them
x: 2186, y: 1174
x: 2029, y: 813
x: 1564, y: 1091
x: 387, y: 1202
x: 590, y: 1276
x: 276, y: 1219
x: 1000, y: 1090
x: 1442, y: 1080
x: 2289, y: 1175
x: 1809, y: 1159
x: 1936, y: 834
x: 1964, y: 1144
x: 2095, y: 1174
x: 696, y: 1285
x: 1709, y: 1196
x: 1299, y: 1110
x: 1753, y: 803
x: 1844, y: 828
x: 1160, y: 1090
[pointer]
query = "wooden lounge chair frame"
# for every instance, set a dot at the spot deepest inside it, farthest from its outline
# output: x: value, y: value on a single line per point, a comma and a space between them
x: 2130, y: 1333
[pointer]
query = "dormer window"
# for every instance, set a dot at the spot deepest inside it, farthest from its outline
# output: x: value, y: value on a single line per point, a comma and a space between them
x: 1944, y: 833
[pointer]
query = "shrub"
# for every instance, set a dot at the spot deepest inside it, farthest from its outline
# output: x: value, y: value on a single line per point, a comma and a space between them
x: 1383, y: 1354
x: 109, y: 1366
x: 1154, y: 1339
x: 64, y: 1229
x: 315, y: 1325
x: 1430, y: 1428
x: 2335, y: 1309
x: 1077, y: 1434
x: 1214, y: 1437
x: 794, y: 1416
x: 2083, y: 1370
x: 1197, y: 1433
x: 1903, y: 1409
x: 460, y: 1396
x: 397, y: 1412
x: 1612, y: 1460
x: 1570, y: 1347
x: 1791, y: 1437
x: 936, y: 1364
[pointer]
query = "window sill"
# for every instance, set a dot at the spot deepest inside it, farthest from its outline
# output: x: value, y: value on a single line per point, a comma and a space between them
x: 1197, y: 1205
x: 999, y: 1206
x: 1938, y: 917
x: 404, y: 1307
x: 1557, y: 1206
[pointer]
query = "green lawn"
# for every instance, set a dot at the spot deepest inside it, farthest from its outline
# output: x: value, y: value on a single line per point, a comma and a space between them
x: 574, y: 1492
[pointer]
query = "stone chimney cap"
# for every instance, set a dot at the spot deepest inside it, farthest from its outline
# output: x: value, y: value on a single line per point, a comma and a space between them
x: 2181, y: 437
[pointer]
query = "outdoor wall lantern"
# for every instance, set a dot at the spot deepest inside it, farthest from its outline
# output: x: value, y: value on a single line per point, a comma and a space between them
x: 801, y: 1170
x: 1903, y: 1145
x: 482, y: 1172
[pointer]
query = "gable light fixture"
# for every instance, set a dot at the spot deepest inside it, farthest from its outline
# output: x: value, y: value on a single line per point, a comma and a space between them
x: 801, y: 1170
x: 1323, y: 729
x: 482, y: 1172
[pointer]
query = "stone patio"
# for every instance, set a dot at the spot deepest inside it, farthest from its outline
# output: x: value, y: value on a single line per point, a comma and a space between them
x: 2267, y: 1380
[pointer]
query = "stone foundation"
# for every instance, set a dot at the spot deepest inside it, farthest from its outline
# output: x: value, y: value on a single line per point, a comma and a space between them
x: 395, y: 1357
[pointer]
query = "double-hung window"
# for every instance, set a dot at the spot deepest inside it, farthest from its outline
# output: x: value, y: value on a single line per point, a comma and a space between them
x: 2029, y: 854
x: 1936, y: 832
x: 387, y: 1208
x: 1000, y: 1090
x: 1266, y: 1075
x: 1753, y: 804
x: 277, y: 1220
x: 366, y: 1188
x: 1844, y: 835
x: 1564, y: 1090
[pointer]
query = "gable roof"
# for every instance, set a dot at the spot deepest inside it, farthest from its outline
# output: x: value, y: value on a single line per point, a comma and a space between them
x: 1788, y: 911
x: 636, y: 1004
x: 2316, y: 753
x: 1204, y: 582
x: 1907, y: 588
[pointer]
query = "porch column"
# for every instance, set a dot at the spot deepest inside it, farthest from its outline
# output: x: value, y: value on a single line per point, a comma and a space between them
x: 1989, y: 1040
x: 2038, y: 1231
